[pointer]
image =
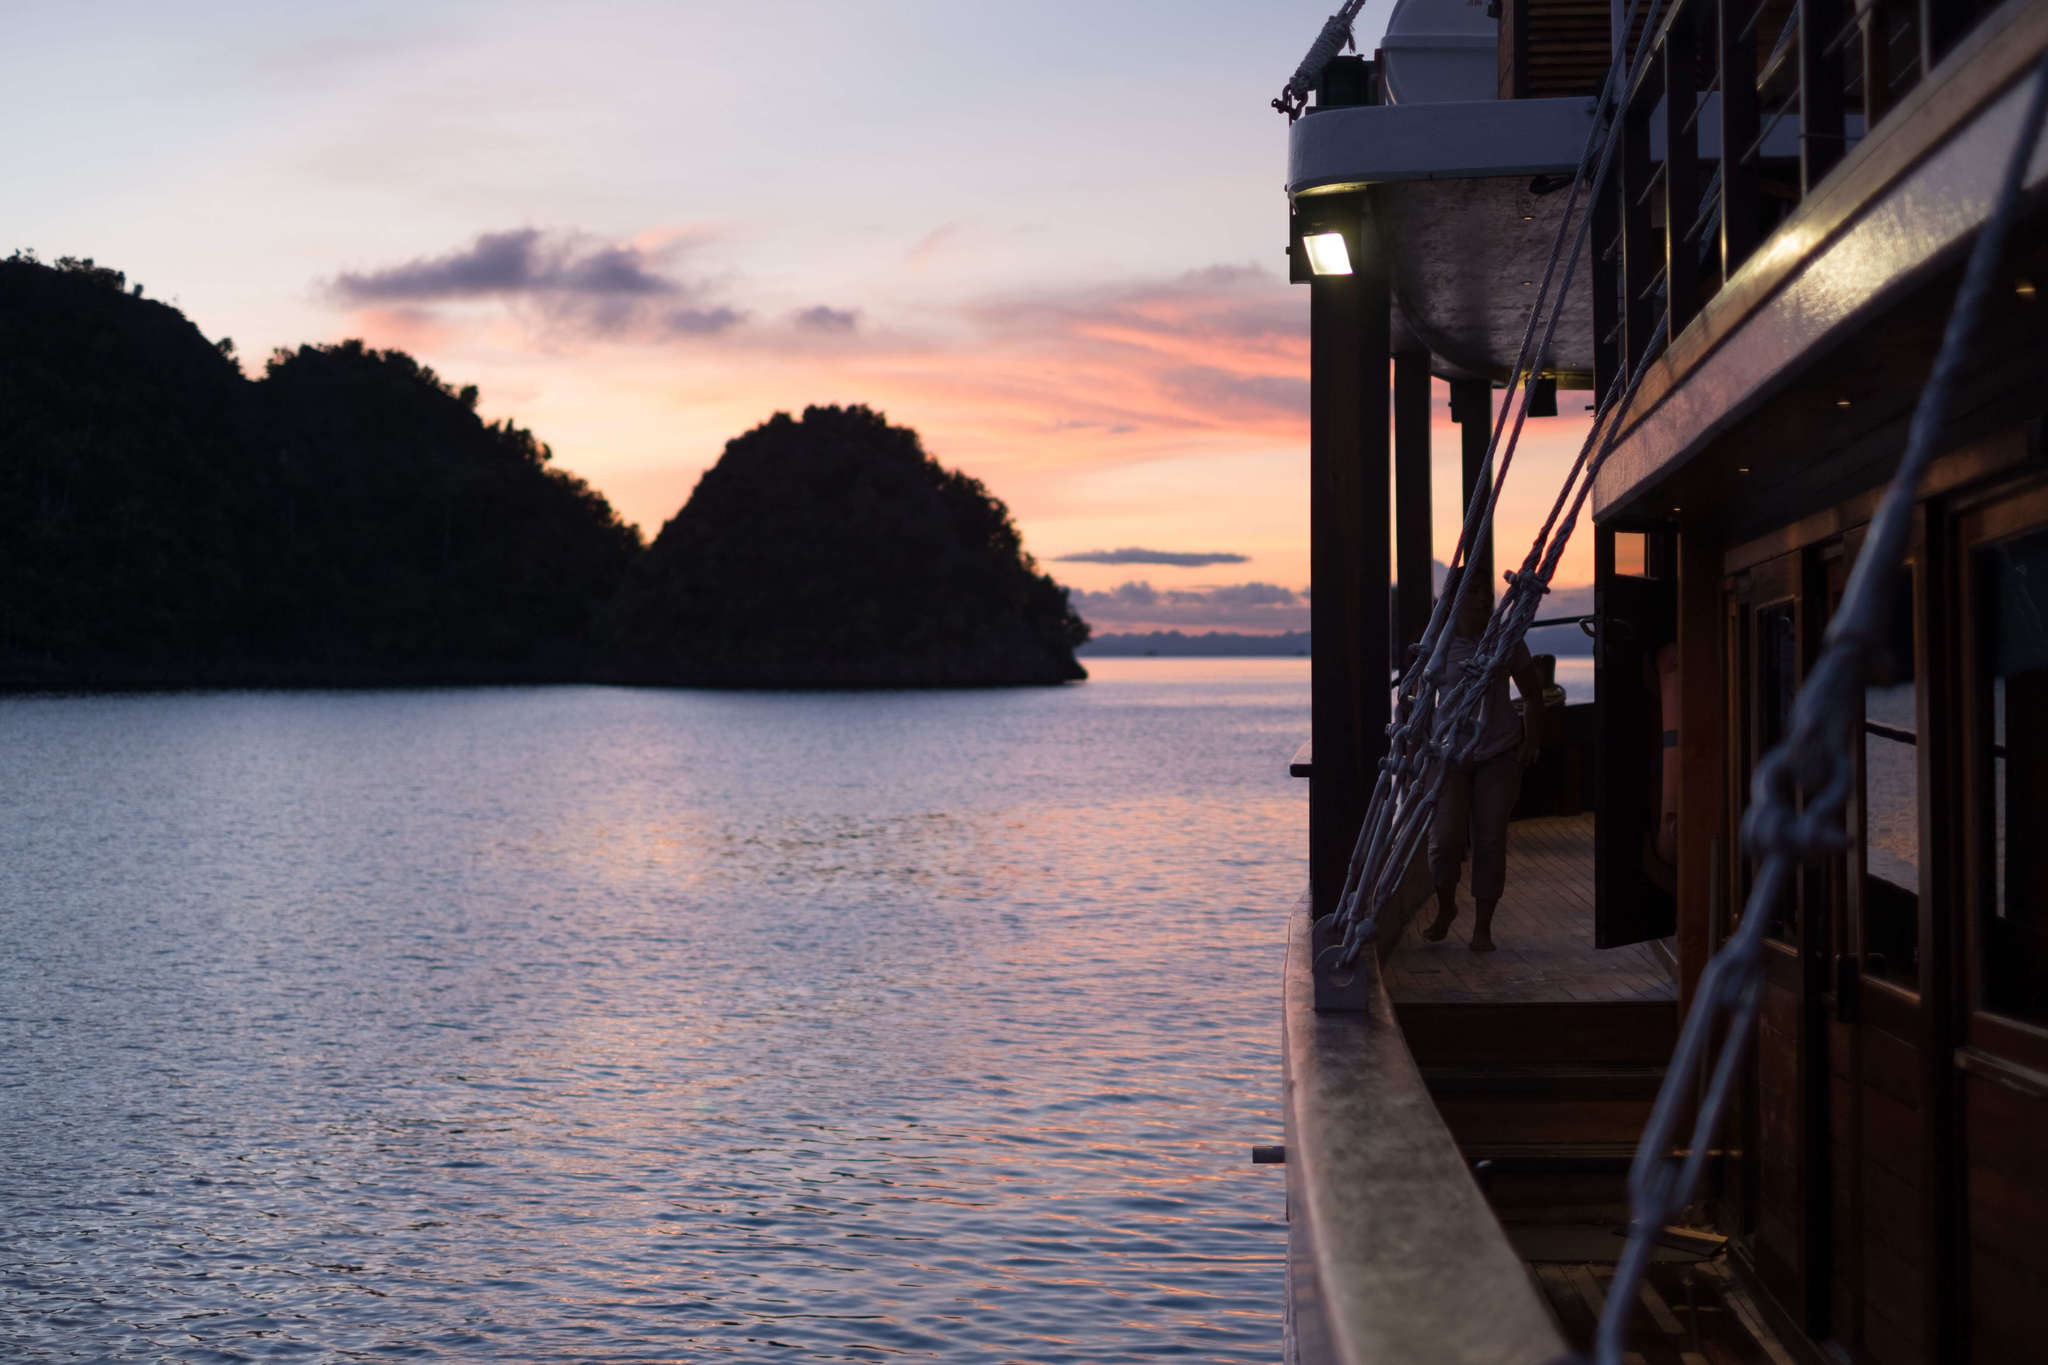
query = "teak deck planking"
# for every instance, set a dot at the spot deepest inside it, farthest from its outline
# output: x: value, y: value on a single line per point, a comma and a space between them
x: 1544, y: 929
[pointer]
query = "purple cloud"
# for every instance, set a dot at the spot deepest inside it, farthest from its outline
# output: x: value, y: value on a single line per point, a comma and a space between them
x: 525, y: 261
x: 826, y: 319
x: 702, y: 322
x: 1230, y: 606
x: 1131, y: 554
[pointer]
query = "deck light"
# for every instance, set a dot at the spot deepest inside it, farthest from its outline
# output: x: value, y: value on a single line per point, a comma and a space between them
x: 1327, y: 254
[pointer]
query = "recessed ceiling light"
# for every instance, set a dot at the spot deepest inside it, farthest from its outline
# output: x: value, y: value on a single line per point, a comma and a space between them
x: 1528, y: 217
x: 1841, y: 402
x: 2025, y: 289
x: 1742, y: 469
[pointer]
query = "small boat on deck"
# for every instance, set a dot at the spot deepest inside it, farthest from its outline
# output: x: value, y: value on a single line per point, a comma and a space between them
x: 1771, y: 264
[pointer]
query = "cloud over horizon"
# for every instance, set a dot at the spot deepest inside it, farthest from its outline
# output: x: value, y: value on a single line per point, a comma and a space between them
x: 1131, y: 554
x: 824, y: 318
x: 523, y: 261
x: 607, y: 288
x: 1138, y: 606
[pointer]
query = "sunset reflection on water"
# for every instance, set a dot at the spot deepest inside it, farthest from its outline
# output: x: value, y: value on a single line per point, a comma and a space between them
x: 640, y: 1025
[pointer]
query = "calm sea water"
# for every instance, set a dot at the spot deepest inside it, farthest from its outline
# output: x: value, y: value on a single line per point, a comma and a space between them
x: 612, y: 1025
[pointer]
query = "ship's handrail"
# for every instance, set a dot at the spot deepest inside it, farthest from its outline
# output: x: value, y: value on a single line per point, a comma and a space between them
x: 1394, y: 1257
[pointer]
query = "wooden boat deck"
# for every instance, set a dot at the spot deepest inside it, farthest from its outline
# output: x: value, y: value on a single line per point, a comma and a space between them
x: 1693, y: 1312
x: 1544, y: 929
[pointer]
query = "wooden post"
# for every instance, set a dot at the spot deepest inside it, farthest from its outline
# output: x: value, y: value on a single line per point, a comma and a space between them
x: 1472, y: 409
x: 1413, y: 576
x: 1821, y: 127
x: 1349, y: 612
x: 1642, y: 255
x: 1702, y: 760
x: 1681, y: 170
x: 1741, y: 178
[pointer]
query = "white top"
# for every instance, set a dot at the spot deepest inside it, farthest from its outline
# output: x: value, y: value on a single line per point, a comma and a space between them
x: 1500, y: 729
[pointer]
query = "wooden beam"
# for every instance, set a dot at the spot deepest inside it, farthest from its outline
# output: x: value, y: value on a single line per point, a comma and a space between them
x: 1702, y: 760
x: 1822, y: 127
x: 1681, y: 170
x: 1350, y: 610
x: 1413, y: 577
x: 1740, y: 180
x: 1472, y: 409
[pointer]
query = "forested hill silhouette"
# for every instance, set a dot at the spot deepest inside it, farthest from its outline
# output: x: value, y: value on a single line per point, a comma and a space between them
x: 834, y: 552
x: 348, y: 519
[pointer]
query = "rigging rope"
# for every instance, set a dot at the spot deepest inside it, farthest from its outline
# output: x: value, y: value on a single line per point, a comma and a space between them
x: 1815, y: 758
x: 1335, y: 37
x: 1437, y: 717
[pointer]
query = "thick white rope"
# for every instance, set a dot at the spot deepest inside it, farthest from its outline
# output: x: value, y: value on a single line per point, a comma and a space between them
x: 1334, y: 38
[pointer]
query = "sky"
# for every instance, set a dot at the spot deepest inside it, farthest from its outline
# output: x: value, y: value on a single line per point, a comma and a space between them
x: 1049, y: 236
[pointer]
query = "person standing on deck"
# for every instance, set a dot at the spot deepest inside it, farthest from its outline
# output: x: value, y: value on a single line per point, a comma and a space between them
x: 1477, y: 795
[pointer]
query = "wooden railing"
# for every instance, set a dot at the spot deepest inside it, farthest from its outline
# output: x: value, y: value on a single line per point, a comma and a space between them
x: 1393, y: 1256
x: 1743, y: 108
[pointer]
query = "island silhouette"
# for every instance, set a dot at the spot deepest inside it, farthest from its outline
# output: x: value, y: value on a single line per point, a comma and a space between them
x: 349, y: 520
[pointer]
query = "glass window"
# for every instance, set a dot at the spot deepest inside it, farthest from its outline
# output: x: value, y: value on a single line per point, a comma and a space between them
x: 1891, y: 805
x: 1631, y: 553
x: 2012, y: 733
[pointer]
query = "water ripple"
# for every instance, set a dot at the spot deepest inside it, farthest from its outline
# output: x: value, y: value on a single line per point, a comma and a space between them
x: 587, y: 1024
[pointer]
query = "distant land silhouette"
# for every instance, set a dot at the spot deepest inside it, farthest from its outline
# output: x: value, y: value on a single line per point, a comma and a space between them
x: 349, y: 520
x: 834, y: 551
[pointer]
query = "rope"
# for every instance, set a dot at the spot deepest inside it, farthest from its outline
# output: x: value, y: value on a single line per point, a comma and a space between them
x: 1815, y: 758
x: 1437, y: 718
x: 1335, y: 37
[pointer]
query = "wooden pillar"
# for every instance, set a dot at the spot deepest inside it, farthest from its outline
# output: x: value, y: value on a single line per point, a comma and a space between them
x: 1472, y: 409
x: 1350, y: 610
x: 1681, y: 170
x: 1702, y: 757
x: 1413, y: 577
x: 1741, y: 179
x: 1821, y: 125
x: 1642, y: 253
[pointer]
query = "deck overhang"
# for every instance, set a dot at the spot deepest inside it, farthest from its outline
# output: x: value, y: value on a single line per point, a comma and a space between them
x: 1333, y: 150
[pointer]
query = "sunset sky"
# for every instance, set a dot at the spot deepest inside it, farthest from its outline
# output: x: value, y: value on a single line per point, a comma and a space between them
x: 1047, y: 235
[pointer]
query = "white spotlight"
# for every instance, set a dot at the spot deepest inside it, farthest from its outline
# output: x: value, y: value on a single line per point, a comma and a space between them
x: 1327, y: 254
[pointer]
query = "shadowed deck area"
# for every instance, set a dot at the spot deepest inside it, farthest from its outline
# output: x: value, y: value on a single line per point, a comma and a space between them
x: 1544, y: 929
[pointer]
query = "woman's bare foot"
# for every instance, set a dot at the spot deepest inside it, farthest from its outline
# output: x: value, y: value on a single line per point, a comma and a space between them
x: 1446, y: 910
x: 1482, y: 925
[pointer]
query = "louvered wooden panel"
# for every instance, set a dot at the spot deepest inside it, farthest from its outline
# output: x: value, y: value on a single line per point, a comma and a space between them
x: 1554, y: 47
